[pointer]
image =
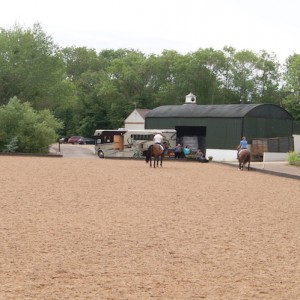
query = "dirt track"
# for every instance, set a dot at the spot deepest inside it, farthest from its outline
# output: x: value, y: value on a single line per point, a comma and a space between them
x: 74, y: 228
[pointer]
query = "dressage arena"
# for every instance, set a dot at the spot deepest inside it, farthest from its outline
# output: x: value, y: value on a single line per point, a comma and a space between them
x: 77, y: 228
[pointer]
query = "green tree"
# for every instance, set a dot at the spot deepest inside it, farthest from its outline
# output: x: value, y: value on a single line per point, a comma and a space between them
x: 125, y: 86
x: 93, y: 109
x: 32, y: 69
x: 267, y: 79
x: 292, y: 88
x: 100, y: 102
x: 244, y: 73
x: 169, y: 65
x: 33, y: 130
x: 205, y: 73
x: 229, y: 92
x: 80, y: 60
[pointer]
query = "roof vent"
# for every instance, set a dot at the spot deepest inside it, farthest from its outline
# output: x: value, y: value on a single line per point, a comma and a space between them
x: 190, y: 99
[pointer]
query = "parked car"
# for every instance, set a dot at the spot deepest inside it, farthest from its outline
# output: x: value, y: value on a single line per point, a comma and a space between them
x: 74, y: 139
x: 86, y: 141
x: 63, y: 140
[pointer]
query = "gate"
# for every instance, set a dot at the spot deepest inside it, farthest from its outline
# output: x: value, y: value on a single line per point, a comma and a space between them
x: 279, y: 144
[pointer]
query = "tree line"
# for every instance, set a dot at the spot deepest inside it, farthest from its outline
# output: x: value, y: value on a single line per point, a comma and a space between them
x: 85, y: 89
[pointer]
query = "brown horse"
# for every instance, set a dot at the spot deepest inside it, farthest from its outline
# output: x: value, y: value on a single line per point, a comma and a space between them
x: 157, y: 152
x: 244, y: 158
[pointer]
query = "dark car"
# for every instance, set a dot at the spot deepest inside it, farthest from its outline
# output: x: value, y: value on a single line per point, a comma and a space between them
x: 74, y: 139
x: 86, y: 141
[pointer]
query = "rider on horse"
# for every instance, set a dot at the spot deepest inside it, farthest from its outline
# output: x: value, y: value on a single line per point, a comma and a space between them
x: 158, y: 139
x: 156, y: 150
x: 243, y: 145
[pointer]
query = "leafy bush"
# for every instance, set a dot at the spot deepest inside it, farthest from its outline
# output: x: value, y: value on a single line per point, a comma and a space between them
x: 294, y: 158
x: 12, y: 146
x: 23, y: 129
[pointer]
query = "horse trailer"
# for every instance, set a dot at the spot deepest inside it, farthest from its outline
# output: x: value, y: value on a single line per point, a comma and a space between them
x: 128, y: 143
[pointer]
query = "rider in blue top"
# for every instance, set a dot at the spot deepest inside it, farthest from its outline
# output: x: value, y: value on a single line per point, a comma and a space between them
x: 243, y: 145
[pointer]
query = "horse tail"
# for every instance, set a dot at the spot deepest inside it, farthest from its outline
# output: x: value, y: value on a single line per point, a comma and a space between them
x: 148, y: 154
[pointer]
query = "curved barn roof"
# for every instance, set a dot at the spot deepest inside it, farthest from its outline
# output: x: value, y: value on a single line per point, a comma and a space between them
x: 219, y: 111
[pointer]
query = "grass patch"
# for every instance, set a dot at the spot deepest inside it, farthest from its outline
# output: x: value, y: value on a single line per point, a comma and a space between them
x: 190, y: 157
x: 294, y: 158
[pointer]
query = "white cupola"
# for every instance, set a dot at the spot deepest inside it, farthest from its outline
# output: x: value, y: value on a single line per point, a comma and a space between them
x: 190, y: 99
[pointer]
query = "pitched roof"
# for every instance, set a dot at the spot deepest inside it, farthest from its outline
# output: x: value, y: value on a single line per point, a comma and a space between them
x: 142, y: 112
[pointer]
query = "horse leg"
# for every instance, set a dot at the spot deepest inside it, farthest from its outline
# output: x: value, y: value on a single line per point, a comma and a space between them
x: 156, y: 160
x: 241, y: 165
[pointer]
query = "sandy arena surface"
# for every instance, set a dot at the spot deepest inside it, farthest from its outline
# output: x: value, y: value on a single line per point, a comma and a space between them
x: 75, y: 228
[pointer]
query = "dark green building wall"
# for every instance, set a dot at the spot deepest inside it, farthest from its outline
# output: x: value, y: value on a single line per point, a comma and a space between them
x: 296, y: 127
x: 267, y: 128
x: 226, y: 133
x: 221, y: 133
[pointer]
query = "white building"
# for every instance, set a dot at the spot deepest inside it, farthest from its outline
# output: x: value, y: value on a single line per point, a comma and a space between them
x: 136, y: 120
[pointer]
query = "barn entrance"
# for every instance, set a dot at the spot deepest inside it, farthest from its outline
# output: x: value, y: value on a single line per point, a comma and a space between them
x: 193, y: 136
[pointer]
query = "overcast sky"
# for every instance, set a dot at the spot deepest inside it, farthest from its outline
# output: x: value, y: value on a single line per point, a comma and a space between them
x: 154, y: 25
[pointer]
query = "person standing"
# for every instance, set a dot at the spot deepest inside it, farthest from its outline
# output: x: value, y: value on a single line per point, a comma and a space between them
x: 177, y: 151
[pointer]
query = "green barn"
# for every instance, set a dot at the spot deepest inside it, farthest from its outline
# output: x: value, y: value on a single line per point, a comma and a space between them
x: 220, y: 126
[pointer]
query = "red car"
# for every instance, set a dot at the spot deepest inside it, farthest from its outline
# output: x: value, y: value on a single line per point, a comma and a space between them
x: 74, y: 139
